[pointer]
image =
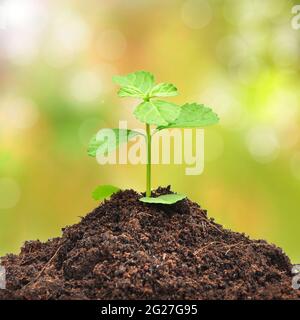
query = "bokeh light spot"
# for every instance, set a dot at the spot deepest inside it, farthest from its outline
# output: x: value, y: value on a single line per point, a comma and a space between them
x: 283, y: 107
x: 86, y: 86
x: 232, y: 48
x: 285, y: 47
x: 196, y: 14
x: 263, y: 144
x: 245, y: 13
x: 24, y: 21
x: 220, y: 95
x: 70, y: 35
x: 17, y: 113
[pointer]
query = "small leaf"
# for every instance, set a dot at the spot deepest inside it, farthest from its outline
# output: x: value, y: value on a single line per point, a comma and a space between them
x: 164, y: 199
x: 163, y: 90
x: 131, y: 92
x: 157, y: 112
x: 105, y: 191
x: 193, y: 115
x: 107, y: 140
x: 137, y: 84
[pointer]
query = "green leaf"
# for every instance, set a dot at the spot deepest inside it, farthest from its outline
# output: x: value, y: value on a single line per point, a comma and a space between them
x: 105, y: 191
x: 193, y: 115
x: 131, y: 92
x: 107, y: 140
x: 163, y: 90
x: 164, y: 199
x: 157, y: 112
x: 137, y: 84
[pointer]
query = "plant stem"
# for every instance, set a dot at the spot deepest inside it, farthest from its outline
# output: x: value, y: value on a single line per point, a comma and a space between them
x: 148, y: 183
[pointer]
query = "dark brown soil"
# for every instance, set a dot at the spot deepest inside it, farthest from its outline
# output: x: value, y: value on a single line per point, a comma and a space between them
x: 125, y: 249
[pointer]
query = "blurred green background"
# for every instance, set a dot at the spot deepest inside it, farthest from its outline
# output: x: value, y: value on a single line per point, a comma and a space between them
x: 57, y: 59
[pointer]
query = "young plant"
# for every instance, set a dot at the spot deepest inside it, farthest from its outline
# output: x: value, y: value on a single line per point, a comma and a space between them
x: 151, y: 111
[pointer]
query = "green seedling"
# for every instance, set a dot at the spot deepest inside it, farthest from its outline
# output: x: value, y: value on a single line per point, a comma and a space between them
x: 153, y: 112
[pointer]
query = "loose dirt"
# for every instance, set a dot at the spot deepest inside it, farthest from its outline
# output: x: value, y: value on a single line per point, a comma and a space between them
x: 126, y: 249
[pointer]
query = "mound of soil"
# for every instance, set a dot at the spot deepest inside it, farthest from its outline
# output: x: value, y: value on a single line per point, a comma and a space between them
x: 126, y: 249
